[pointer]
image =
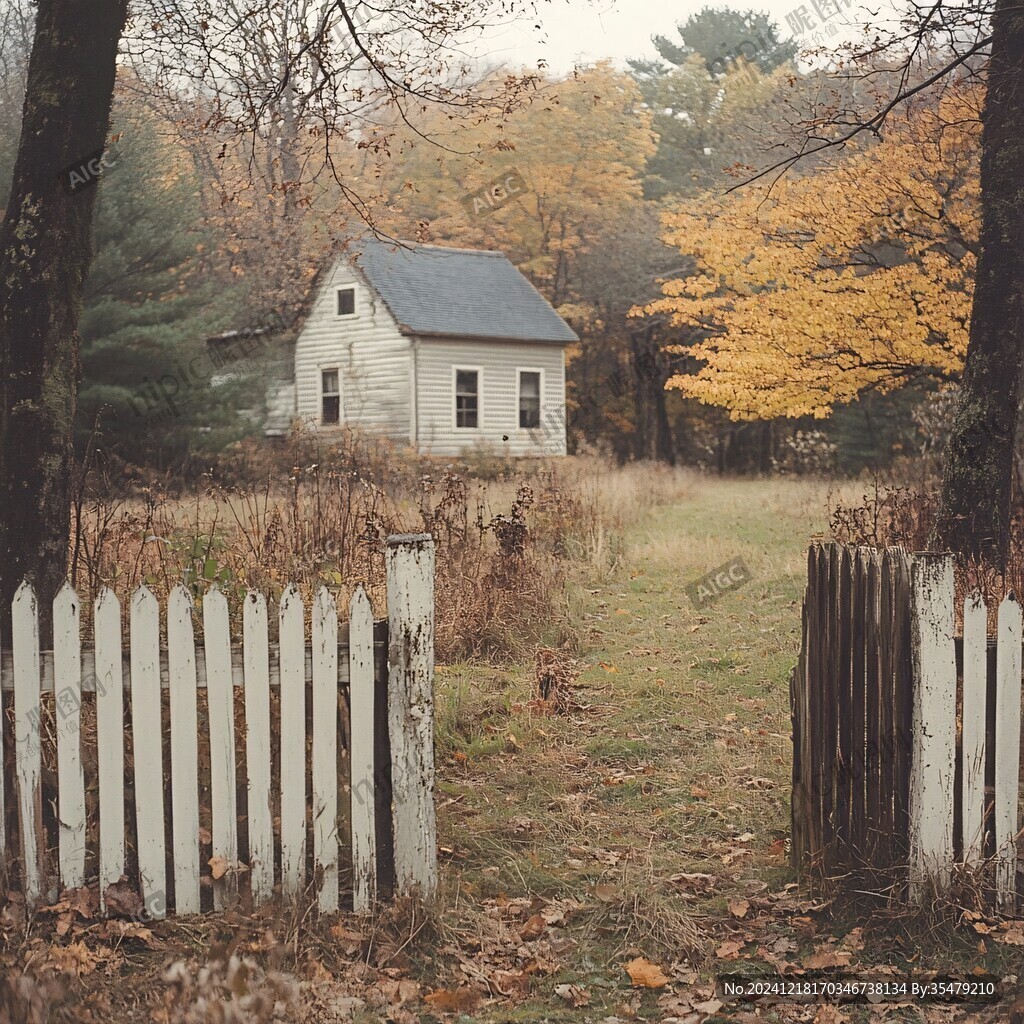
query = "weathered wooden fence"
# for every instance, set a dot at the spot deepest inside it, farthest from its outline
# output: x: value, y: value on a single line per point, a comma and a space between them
x: 906, y: 736
x: 205, y: 773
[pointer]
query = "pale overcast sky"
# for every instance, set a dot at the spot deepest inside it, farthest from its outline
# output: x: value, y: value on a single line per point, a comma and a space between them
x: 577, y: 31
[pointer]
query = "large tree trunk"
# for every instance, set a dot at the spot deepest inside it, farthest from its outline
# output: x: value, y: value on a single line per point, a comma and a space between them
x: 977, y: 490
x: 45, y: 251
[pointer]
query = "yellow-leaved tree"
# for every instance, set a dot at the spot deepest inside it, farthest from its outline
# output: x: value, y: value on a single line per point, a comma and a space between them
x: 808, y: 292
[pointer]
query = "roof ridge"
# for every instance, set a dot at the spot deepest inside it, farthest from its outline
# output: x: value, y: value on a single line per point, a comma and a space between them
x: 452, y: 248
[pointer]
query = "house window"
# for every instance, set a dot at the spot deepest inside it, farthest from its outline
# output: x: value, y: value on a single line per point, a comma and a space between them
x: 467, y: 398
x: 330, y: 398
x: 346, y: 302
x: 529, y: 399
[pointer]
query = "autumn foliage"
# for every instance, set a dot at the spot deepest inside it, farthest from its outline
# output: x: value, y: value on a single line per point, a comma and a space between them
x: 806, y: 292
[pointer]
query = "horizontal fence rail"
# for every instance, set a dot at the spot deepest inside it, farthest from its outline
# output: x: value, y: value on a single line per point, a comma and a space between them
x: 198, y: 773
x: 906, y: 766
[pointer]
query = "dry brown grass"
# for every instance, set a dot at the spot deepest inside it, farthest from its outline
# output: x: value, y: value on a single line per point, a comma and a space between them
x: 318, y: 515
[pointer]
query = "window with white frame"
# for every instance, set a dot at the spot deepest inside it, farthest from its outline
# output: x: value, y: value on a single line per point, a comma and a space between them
x: 345, y: 301
x: 330, y: 397
x: 467, y: 398
x: 529, y: 399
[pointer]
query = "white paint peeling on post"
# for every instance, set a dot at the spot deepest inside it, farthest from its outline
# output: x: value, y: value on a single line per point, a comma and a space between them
x: 148, y: 750
x: 933, y: 724
x: 325, y: 749
x: 181, y: 664
x: 972, y: 796
x: 1007, y: 743
x: 293, y: 738
x: 27, y: 753
x: 220, y: 695
x: 361, y: 756
x: 410, y: 588
x: 255, y: 633
x: 67, y: 685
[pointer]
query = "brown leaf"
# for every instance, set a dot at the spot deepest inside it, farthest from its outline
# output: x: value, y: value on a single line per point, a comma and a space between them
x: 694, y: 880
x: 829, y: 1014
x: 452, y: 1000
x: 1013, y: 936
x: 709, y: 1006
x: 644, y: 974
x: 699, y: 792
x: 218, y: 866
x: 121, y: 899
x: 399, y: 991
x: 729, y: 950
x: 606, y: 893
x: 822, y: 958
x: 533, y: 929
x: 739, y: 908
x: 75, y: 958
x: 573, y: 995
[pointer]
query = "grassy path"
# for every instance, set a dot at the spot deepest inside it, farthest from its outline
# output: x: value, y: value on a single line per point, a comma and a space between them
x: 677, y: 761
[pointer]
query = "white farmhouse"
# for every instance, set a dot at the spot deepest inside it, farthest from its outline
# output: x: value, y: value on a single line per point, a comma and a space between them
x: 445, y: 349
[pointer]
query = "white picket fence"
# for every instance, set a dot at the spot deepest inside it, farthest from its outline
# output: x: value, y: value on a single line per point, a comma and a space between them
x: 239, y: 676
x: 989, y: 817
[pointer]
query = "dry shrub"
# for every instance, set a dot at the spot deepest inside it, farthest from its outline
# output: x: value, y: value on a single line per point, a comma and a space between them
x: 888, y: 516
x: 320, y: 515
x: 894, y: 516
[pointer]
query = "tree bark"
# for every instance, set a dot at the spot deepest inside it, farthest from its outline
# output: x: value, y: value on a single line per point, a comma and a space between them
x: 978, y: 485
x: 45, y: 252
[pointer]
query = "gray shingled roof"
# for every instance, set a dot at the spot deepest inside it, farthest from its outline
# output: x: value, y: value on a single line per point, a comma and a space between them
x: 465, y: 293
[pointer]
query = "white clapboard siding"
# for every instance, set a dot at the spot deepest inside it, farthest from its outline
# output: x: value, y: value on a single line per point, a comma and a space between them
x: 1007, y: 741
x: 27, y: 750
x: 67, y: 684
x: 184, y: 751
x: 255, y: 632
x: 293, y: 740
x: 372, y: 356
x: 325, y: 748
x: 109, y: 737
x: 410, y: 586
x: 220, y: 693
x: 973, y: 742
x: 362, y: 780
x: 147, y: 746
x: 933, y: 758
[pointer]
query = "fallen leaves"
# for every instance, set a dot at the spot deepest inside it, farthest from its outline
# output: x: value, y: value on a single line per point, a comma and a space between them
x: 573, y: 995
x: 739, y: 908
x: 452, y: 1000
x: 644, y: 974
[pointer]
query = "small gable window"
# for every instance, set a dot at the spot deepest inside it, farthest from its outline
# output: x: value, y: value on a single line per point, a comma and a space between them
x: 529, y: 399
x: 467, y: 398
x: 346, y: 302
x: 330, y: 398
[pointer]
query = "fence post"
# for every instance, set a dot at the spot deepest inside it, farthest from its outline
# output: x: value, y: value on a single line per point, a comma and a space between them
x: 410, y: 588
x: 933, y: 761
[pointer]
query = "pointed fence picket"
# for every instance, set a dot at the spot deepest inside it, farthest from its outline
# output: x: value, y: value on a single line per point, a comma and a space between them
x: 876, y: 695
x: 139, y: 695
